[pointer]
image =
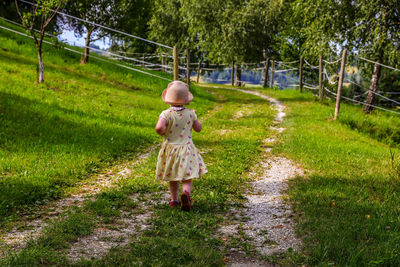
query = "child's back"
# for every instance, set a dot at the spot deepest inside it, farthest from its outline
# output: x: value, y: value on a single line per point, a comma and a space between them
x: 179, y: 158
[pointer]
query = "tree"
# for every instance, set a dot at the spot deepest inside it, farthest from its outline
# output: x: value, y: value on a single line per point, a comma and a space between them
x: 221, y: 30
x: 367, y: 28
x: 101, y: 12
x: 134, y: 18
x: 168, y: 24
x: 39, y: 15
x: 234, y: 30
x: 377, y: 34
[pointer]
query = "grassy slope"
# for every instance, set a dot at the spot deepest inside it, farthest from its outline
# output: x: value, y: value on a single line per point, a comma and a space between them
x: 86, y: 117
x: 349, y: 202
x: 80, y: 120
x: 231, y: 146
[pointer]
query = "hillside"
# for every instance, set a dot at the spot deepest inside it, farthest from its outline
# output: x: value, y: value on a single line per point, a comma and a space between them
x: 83, y: 118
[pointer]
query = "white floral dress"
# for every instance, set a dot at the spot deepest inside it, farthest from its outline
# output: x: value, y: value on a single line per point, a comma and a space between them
x: 179, y: 159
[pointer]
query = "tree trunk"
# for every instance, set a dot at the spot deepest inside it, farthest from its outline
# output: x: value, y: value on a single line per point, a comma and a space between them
x: 238, y: 81
x: 373, y: 88
x: 41, y: 65
x: 266, y: 72
x: 233, y: 73
x: 85, y: 57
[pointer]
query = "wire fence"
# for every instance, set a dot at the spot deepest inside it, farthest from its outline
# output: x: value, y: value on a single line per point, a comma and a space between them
x: 99, y: 25
x: 95, y: 57
x: 281, y: 73
x: 148, y: 63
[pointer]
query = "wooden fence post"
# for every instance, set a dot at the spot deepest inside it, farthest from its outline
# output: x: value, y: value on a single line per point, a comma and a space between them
x: 320, y: 79
x: 233, y: 73
x: 266, y: 69
x: 199, y: 70
x: 163, y: 63
x: 143, y: 61
x: 272, y: 74
x: 340, y: 84
x: 238, y: 81
x: 176, y: 63
x: 188, y: 66
x: 301, y: 75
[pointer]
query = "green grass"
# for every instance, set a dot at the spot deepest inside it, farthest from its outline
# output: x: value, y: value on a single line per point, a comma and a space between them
x: 80, y: 120
x: 175, y: 237
x: 348, y: 203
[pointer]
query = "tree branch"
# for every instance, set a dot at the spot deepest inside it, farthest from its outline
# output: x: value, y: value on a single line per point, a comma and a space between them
x: 19, y: 12
x: 98, y: 37
x: 54, y: 13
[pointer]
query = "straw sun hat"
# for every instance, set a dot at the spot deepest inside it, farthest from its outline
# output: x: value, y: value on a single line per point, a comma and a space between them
x: 177, y: 93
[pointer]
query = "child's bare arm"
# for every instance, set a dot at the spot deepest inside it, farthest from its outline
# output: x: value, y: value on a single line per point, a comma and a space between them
x: 161, y: 126
x: 197, y: 126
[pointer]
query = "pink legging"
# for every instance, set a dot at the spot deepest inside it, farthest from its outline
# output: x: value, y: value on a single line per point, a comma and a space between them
x: 174, y: 188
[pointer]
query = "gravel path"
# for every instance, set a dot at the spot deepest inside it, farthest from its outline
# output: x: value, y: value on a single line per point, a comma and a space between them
x: 119, y: 233
x: 268, y: 224
x: 29, y: 227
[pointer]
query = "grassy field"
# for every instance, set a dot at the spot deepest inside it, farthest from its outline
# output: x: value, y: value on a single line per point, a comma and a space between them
x: 231, y: 147
x: 87, y: 117
x: 348, y: 203
x: 81, y: 119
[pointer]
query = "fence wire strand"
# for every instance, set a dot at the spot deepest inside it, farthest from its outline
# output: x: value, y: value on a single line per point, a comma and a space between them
x: 101, y: 26
x: 81, y: 53
x: 360, y: 102
x: 383, y: 65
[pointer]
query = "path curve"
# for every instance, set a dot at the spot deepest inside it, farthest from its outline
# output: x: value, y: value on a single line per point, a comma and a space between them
x: 269, y: 224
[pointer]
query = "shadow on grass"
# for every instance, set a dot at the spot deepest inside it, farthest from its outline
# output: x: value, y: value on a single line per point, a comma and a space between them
x: 355, y: 217
x: 56, y: 151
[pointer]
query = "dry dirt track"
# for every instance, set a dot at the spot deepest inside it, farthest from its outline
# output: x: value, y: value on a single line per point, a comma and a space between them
x: 268, y: 217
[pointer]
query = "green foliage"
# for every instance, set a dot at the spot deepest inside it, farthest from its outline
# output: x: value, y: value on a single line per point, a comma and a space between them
x: 168, y: 25
x: 97, y: 11
x: 368, y: 27
x: 221, y: 30
x: 135, y: 18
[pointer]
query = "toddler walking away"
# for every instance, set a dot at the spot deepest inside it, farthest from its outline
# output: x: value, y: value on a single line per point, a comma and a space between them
x: 178, y: 159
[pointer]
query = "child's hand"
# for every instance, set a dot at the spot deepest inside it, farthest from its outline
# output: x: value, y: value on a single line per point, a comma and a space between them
x: 161, y: 126
x: 197, y: 126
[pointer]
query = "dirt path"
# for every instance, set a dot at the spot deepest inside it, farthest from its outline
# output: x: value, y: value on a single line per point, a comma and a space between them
x: 27, y: 227
x: 268, y: 223
x: 120, y: 231
x: 104, y: 237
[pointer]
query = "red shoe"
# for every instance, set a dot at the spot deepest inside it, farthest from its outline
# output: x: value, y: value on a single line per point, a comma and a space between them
x: 186, y: 201
x: 173, y: 203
